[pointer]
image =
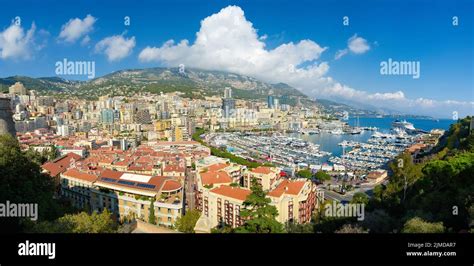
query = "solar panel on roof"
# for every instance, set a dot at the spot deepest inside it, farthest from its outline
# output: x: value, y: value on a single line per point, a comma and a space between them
x: 125, y: 182
x: 108, y: 179
x: 145, y: 185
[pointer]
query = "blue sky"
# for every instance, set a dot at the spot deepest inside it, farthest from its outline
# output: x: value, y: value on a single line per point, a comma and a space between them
x: 402, y: 30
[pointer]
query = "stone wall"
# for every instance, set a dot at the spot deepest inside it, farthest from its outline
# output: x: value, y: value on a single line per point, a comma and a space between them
x: 7, y: 126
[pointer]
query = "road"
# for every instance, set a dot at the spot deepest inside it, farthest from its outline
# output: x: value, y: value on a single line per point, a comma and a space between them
x: 189, y: 188
x: 329, y: 194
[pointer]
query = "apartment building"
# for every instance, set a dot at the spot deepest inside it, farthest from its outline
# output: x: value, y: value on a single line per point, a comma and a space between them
x: 77, y: 187
x: 268, y: 177
x: 220, y: 198
x: 295, y: 200
x: 127, y: 195
x: 221, y: 205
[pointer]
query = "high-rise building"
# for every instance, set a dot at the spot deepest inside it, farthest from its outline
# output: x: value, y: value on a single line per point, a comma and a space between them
x: 227, y: 92
x: 107, y: 116
x: 276, y: 103
x: 17, y: 89
x: 143, y: 116
x: 228, y: 105
x: 270, y: 101
x: 64, y: 130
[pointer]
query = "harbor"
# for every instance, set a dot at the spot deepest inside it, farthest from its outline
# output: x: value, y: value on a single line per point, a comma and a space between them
x: 345, y: 147
x: 273, y: 148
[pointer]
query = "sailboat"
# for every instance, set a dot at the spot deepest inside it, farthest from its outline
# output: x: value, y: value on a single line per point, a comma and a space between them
x: 356, y: 129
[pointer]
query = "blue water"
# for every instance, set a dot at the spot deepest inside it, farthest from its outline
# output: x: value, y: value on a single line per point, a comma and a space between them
x: 384, y: 124
x: 328, y: 142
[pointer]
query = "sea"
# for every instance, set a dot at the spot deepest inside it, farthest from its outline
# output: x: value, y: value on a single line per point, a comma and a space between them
x: 329, y: 142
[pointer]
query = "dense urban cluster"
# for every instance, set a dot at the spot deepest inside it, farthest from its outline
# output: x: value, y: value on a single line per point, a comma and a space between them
x: 204, y: 165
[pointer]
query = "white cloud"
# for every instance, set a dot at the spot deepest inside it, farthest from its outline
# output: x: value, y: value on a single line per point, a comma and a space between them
x: 115, y: 47
x: 85, y: 40
x: 387, y: 96
x: 228, y: 41
x: 76, y: 28
x: 341, y: 53
x: 16, y: 44
x: 358, y: 45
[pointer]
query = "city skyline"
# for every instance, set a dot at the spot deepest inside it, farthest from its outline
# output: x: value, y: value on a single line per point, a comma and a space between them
x: 315, y: 53
x: 186, y: 123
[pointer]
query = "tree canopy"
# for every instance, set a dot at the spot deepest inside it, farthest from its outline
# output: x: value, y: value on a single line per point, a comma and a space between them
x: 322, y: 176
x: 259, y: 216
x: 21, y: 181
x: 305, y: 173
x: 188, y: 221
x: 418, y: 225
x: 79, y: 223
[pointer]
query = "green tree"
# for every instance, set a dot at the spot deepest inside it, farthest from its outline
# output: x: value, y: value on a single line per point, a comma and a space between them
x: 418, y: 225
x: 151, y: 215
x: 52, y: 154
x: 79, y: 223
x: 188, y: 221
x: 360, y: 198
x: 351, y: 229
x: 21, y: 181
x: 322, y: 176
x: 293, y: 228
x: 259, y: 215
x: 328, y: 224
x: 222, y: 229
x: 379, y: 221
x: 305, y: 173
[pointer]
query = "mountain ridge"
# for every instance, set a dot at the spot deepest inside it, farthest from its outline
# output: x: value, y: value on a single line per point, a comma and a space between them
x: 193, y: 83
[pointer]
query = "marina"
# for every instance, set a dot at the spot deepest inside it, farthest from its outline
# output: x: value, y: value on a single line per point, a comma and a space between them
x: 354, y: 146
x: 274, y: 148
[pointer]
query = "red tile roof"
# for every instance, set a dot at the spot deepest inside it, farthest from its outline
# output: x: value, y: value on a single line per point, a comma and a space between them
x: 171, y: 185
x: 173, y: 168
x: 287, y: 187
x: 61, y: 164
x: 232, y: 192
x: 262, y: 170
x: 111, y: 174
x: 74, y: 173
x: 217, y: 167
x: 215, y: 178
x: 160, y: 182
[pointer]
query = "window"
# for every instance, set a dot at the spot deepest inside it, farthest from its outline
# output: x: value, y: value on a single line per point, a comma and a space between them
x: 169, y: 210
x: 206, y: 206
